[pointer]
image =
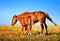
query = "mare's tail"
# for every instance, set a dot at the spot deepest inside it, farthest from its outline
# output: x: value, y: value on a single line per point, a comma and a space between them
x: 50, y: 19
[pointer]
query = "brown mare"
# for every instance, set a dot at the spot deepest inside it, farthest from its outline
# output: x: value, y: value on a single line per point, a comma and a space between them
x: 35, y: 17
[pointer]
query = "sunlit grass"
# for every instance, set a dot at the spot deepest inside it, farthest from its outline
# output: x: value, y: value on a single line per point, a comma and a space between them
x: 10, y: 33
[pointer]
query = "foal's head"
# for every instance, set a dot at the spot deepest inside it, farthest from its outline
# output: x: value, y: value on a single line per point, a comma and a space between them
x: 14, y: 20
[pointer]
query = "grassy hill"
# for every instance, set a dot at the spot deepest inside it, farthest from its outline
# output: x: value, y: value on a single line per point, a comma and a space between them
x: 10, y: 33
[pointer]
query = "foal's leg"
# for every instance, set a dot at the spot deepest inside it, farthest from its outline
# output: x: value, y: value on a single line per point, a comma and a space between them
x: 30, y: 27
x: 42, y: 28
x: 29, y: 30
x: 23, y: 29
x: 46, y: 28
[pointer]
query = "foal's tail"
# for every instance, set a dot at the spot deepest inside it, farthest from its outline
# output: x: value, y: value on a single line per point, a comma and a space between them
x: 50, y: 19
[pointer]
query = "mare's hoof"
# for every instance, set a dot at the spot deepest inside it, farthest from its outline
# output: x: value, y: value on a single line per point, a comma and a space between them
x: 46, y: 33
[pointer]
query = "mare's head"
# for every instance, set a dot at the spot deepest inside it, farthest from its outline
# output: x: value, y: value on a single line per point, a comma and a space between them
x: 14, y: 20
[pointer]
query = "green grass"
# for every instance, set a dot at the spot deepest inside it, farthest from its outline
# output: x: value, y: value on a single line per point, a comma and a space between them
x: 9, y: 33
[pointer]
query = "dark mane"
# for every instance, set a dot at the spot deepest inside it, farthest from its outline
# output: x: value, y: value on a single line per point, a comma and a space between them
x: 14, y: 16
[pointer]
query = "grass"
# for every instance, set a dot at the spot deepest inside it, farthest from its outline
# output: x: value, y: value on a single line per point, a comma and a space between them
x: 9, y: 33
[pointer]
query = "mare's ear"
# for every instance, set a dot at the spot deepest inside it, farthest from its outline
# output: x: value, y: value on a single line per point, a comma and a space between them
x: 14, y: 16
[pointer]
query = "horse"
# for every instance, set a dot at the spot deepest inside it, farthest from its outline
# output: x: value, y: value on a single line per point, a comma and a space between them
x: 25, y: 22
x: 37, y: 16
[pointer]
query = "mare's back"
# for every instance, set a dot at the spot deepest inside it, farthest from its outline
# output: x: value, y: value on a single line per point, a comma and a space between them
x: 25, y: 14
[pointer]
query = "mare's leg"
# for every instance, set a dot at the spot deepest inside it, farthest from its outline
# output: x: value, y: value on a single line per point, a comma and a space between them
x: 46, y: 28
x: 42, y: 28
x: 41, y: 20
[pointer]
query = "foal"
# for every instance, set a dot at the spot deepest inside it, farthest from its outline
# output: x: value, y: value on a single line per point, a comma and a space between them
x: 26, y: 23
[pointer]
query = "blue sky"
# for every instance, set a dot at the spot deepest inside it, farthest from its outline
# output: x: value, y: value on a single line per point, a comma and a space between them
x: 8, y: 8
